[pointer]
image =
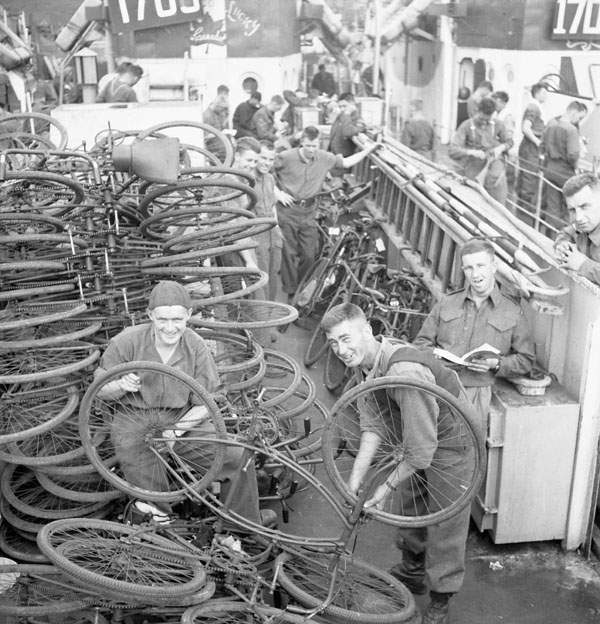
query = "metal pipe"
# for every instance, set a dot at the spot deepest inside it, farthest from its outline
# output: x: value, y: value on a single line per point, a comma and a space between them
x: 377, y: 50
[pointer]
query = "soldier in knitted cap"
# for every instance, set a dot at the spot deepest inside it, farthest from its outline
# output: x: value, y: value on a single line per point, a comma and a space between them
x: 167, y: 339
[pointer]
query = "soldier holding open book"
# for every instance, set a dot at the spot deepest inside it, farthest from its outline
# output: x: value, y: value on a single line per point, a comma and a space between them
x: 482, y: 326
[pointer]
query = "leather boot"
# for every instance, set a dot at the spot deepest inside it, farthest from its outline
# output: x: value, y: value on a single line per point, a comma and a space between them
x: 438, y: 611
x: 411, y: 572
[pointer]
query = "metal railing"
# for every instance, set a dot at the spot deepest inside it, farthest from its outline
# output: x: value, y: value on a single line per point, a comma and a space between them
x: 428, y: 221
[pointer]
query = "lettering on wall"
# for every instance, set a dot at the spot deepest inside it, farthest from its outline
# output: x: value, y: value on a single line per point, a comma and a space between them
x: 236, y: 14
x: 211, y: 28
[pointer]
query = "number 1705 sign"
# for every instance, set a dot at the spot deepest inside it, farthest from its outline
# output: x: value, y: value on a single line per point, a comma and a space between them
x: 578, y: 19
x: 138, y: 14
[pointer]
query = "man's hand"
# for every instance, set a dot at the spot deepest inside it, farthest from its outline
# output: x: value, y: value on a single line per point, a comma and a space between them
x: 569, y: 257
x: 284, y: 198
x: 483, y: 365
x: 378, y: 499
x: 354, y: 484
x: 129, y: 383
x: 497, y: 151
x: 477, y: 153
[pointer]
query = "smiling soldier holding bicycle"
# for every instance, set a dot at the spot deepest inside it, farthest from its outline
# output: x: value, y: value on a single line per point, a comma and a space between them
x: 431, y: 456
x: 145, y: 396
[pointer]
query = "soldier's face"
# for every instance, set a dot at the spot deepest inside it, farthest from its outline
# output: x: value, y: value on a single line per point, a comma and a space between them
x: 350, y: 341
x: 584, y: 209
x: 480, y: 272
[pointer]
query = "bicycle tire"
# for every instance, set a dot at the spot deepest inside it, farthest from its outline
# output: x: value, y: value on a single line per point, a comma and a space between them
x: 17, y: 547
x: 26, y: 415
x: 68, y: 192
x: 311, y: 418
x: 303, y: 397
x: 27, y: 526
x: 23, y: 141
x: 244, y: 314
x: 454, y: 473
x: 39, y: 591
x: 68, y: 311
x: 24, y: 493
x: 54, y: 446
x: 249, y: 378
x: 162, y: 226
x: 218, y: 235
x: 35, y: 291
x: 51, y: 340
x: 316, y: 347
x: 31, y: 117
x: 94, y: 432
x: 196, y: 256
x: 284, y: 369
x: 363, y: 593
x: 222, y: 611
x: 305, y: 292
x: 231, y: 352
x: 25, y: 222
x: 120, y: 558
x: 93, y: 490
x: 198, y: 200
x: 63, y: 370
x: 229, y: 282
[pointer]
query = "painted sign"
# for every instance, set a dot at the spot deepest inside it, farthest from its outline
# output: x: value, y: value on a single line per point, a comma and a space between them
x: 127, y: 15
x: 576, y: 19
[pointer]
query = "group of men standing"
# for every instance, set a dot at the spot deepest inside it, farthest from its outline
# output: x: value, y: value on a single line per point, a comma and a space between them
x: 553, y: 148
x: 288, y: 181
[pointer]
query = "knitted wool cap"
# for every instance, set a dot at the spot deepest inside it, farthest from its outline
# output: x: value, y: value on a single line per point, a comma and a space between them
x: 167, y: 293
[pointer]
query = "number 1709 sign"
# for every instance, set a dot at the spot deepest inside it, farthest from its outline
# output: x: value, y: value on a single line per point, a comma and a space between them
x: 139, y: 14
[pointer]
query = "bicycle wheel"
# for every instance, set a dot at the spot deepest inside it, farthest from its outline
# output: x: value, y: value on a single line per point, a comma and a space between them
x: 244, y: 314
x: 231, y: 352
x: 35, y: 124
x: 219, y: 235
x: 25, y: 494
x: 91, y: 488
x: 104, y: 555
x: 362, y: 592
x: 29, y: 223
x: 212, y: 285
x: 230, y: 612
x: 317, y: 345
x: 55, y: 446
x: 305, y: 293
x: 47, y: 336
x: 24, y: 316
x: 130, y: 431
x: 27, y: 190
x: 452, y: 471
x: 27, y: 412
x: 45, y: 363
x: 36, y: 246
x: 199, y: 194
x: 17, y: 547
x: 162, y: 226
x: 38, y: 590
